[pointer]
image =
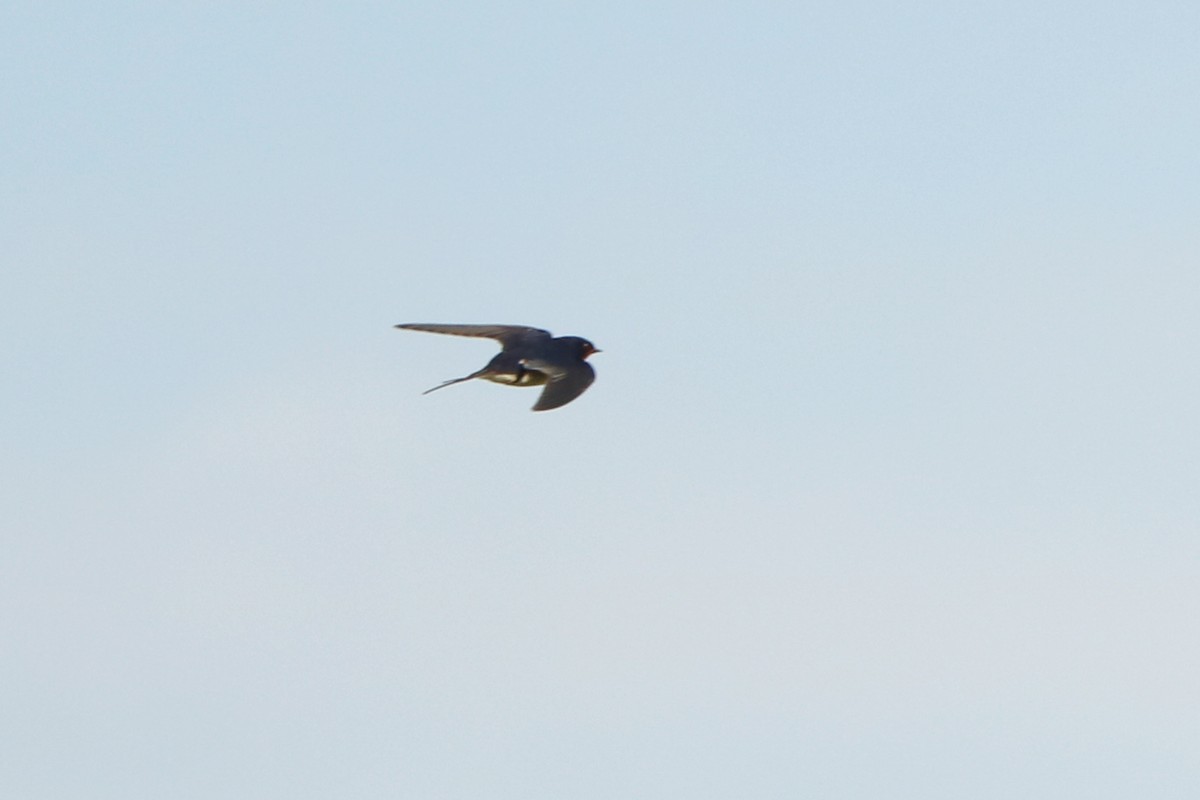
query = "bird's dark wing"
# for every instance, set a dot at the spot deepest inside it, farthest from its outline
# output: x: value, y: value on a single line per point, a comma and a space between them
x: 507, y: 335
x: 563, y: 384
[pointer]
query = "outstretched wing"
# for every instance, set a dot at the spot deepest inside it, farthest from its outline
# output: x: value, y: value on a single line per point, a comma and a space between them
x: 563, y: 384
x: 507, y: 335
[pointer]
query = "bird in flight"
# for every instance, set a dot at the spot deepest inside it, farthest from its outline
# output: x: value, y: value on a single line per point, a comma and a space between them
x: 527, y: 357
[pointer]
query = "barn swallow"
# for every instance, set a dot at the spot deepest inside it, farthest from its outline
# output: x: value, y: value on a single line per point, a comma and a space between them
x: 527, y: 357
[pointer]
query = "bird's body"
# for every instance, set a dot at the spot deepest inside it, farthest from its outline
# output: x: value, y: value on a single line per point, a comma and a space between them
x: 528, y: 357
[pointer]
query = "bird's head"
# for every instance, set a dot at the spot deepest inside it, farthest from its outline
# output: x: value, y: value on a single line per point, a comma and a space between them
x: 582, y: 346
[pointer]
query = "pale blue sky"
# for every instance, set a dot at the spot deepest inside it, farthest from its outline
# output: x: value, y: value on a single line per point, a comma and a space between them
x: 888, y: 485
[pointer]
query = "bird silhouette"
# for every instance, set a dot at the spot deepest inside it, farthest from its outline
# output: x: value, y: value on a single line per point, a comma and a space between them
x: 527, y: 357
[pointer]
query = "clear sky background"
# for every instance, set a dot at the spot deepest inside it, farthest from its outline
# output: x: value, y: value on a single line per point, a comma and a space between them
x: 889, y: 485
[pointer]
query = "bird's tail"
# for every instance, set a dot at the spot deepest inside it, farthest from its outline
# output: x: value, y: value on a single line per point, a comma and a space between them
x: 453, y: 381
